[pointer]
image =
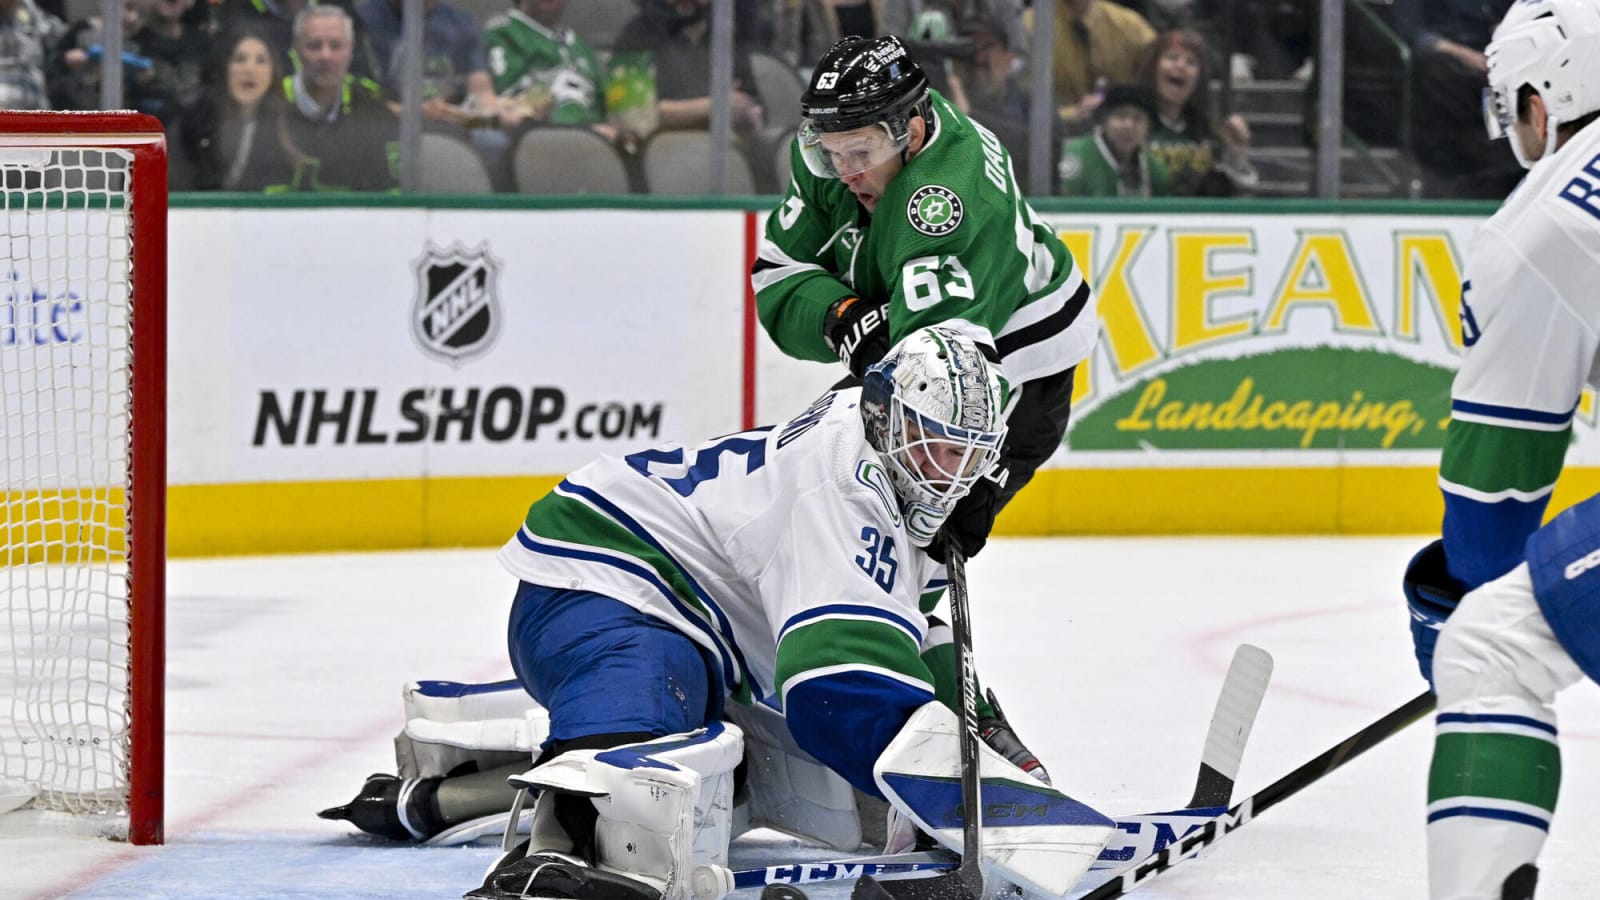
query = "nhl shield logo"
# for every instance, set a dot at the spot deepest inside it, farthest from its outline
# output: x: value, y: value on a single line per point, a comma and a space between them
x: 456, y: 313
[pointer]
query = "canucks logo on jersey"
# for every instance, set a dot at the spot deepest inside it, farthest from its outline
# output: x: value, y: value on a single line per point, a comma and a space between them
x: 456, y: 312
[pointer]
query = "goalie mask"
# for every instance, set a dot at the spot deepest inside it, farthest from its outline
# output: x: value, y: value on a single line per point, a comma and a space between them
x: 856, y: 113
x: 934, y: 411
x: 1552, y: 46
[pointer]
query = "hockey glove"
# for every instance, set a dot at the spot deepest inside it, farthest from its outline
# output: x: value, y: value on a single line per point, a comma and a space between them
x: 858, y: 332
x: 997, y: 733
x: 1432, y: 594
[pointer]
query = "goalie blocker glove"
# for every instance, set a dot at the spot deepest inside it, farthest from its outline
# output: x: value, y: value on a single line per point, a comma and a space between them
x: 857, y: 331
x: 1432, y: 594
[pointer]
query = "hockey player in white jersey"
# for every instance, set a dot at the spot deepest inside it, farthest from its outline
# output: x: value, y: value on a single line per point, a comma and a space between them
x: 783, y: 567
x: 1518, y: 602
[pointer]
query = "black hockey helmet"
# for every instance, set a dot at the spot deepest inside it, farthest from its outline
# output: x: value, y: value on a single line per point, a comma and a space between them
x: 858, y: 83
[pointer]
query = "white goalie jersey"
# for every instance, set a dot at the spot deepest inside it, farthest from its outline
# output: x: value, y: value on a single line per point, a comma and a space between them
x: 781, y: 550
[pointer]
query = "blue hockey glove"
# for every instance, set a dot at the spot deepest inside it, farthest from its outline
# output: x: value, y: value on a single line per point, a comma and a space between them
x: 1432, y: 594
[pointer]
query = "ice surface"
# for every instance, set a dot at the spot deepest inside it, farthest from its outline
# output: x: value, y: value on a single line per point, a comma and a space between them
x: 284, y: 693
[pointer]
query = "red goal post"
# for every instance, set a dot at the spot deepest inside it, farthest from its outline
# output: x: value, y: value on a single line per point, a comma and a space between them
x: 83, y: 464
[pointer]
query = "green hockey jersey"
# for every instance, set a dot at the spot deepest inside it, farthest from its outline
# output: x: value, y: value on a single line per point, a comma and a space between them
x: 531, y: 61
x: 1088, y: 169
x: 952, y: 240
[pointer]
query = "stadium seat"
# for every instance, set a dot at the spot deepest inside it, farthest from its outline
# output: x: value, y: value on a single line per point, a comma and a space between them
x: 779, y: 87
x: 451, y: 166
x: 557, y: 160
x: 781, y: 160
x: 679, y: 162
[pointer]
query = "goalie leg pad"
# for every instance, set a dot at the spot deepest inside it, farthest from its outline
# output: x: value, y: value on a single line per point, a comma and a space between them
x: 1032, y: 833
x: 450, y: 723
x: 663, y: 806
x: 788, y: 789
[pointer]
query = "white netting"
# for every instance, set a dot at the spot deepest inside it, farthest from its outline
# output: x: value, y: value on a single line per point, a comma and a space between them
x: 64, y: 444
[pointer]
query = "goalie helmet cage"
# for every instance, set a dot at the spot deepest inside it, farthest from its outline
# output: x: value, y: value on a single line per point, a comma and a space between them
x: 83, y: 464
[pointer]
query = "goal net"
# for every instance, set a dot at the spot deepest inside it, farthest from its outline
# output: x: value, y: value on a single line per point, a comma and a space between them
x: 82, y: 464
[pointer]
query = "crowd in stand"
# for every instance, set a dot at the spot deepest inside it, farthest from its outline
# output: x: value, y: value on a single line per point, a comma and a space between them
x: 305, y: 95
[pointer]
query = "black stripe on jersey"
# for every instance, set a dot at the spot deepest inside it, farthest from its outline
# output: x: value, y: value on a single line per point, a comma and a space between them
x: 1048, y: 327
x: 763, y: 264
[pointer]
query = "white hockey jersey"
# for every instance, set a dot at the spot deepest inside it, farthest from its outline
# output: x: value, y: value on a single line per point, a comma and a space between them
x: 1530, y: 316
x: 781, y: 550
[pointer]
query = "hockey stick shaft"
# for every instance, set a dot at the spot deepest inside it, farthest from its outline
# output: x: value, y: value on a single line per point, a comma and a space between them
x: 841, y: 869
x: 1238, y: 815
x: 966, y: 882
x: 970, y: 872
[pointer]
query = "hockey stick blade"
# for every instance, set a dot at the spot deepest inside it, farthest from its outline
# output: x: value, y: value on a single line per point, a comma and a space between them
x: 944, y: 886
x: 1238, y: 815
x: 1237, y: 703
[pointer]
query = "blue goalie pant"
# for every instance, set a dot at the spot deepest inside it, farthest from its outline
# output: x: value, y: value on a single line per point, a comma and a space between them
x: 602, y: 667
x: 1564, y: 562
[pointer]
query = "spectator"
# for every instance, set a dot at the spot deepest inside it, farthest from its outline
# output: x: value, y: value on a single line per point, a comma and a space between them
x: 27, y: 36
x: 1449, y: 73
x: 1097, y: 43
x: 806, y: 28
x: 1205, y: 160
x: 272, y: 19
x: 1114, y: 160
x: 73, y: 67
x: 543, y: 69
x: 456, y: 87
x: 235, y: 137
x: 987, y: 86
x: 176, y: 50
x: 927, y: 17
x: 1271, y: 40
x: 676, y: 33
x: 339, y: 122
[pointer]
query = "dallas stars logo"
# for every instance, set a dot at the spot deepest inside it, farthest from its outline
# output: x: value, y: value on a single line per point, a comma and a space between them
x: 934, y: 210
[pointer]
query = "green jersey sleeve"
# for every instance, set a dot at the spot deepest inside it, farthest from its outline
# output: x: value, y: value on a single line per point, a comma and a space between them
x: 796, y: 275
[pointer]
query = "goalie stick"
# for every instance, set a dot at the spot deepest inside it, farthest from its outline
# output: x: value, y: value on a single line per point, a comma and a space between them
x: 966, y: 881
x: 1241, y: 813
x: 1243, y: 688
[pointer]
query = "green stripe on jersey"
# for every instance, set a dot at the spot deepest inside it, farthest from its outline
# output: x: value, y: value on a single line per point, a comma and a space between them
x: 941, y: 661
x: 823, y: 643
x: 558, y: 517
x: 1491, y: 458
x: 1503, y: 766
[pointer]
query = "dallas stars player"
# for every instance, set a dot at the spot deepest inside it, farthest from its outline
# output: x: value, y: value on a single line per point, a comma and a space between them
x: 1525, y: 628
x: 902, y: 212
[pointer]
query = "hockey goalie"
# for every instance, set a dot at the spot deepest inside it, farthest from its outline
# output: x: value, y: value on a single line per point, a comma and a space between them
x: 732, y: 635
